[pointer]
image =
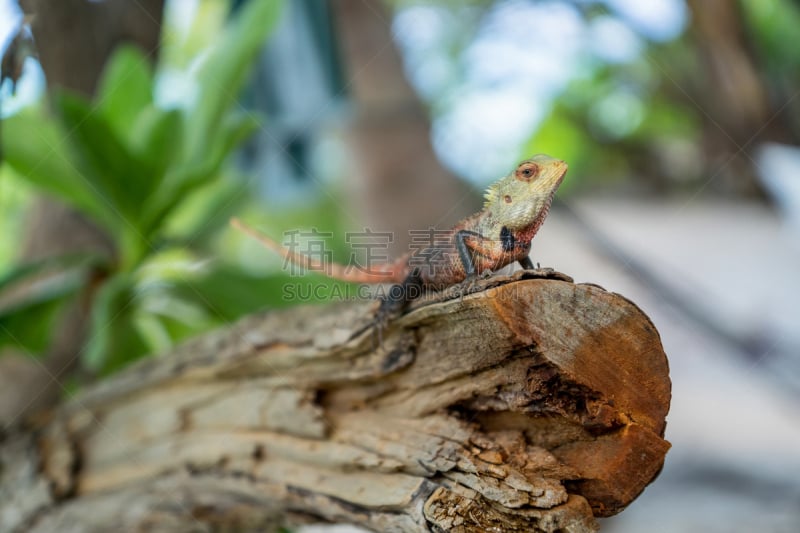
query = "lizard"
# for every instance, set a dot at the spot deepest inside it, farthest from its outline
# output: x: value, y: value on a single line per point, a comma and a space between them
x: 515, y: 208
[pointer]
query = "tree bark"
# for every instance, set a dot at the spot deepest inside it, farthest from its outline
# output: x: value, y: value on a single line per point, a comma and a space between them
x: 532, y: 404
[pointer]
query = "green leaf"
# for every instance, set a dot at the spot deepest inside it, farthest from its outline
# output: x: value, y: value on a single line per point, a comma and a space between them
x: 228, y: 292
x: 114, y: 340
x: 15, y: 199
x: 180, y: 48
x: 125, y: 88
x: 35, y: 146
x: 173, y: 321
x: 156, y: 140
x: 30, y: 329
x: 183, y: 180
x: 42, y: 281
x: 236, y: 127
x: 114, y: 171
x: 205, y: 212
x: 222, y: 73
x: 32, y: 295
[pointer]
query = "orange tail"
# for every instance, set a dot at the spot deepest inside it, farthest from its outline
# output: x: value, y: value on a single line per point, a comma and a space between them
x: 382, y: 273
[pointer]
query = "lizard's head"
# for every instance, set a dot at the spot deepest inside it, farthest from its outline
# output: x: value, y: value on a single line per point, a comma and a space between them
x: 522, y: 198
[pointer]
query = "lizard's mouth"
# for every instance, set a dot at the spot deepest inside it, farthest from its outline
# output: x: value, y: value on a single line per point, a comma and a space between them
x: 552, y: 177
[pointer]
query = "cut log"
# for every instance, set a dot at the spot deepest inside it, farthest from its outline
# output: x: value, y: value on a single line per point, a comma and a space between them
x: 532, y: 404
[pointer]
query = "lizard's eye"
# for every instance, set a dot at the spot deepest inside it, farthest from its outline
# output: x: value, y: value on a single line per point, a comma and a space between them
x: 507, y: 198
x: 526, y: 172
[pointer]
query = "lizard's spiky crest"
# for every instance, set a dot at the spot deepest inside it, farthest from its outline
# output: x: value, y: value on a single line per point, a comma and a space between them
x: 490, y: 195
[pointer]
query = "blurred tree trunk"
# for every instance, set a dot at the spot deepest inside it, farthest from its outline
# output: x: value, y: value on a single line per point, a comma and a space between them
x: 74, y: 38
x: 397, y: 182
x: 734, y: 94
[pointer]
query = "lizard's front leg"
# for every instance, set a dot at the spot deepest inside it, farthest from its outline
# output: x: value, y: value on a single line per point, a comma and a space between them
x: 465, y: 254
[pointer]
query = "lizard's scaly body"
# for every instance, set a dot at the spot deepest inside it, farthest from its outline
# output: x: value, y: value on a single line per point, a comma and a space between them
x: 499, y: 235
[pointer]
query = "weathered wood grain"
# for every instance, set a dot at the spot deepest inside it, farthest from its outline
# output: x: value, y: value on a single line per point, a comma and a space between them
x: 531, y: 404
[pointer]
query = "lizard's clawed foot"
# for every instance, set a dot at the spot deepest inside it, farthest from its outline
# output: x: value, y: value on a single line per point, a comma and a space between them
x: 470, y: 283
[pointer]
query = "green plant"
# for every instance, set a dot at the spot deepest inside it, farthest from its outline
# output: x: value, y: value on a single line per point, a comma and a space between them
x: 131, y: 166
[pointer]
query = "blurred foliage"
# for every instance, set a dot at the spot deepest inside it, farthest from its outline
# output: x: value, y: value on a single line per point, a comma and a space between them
x: 15, y: 195
x: 42, y: 289
x: 624, y: 98
x: 183, y: 44
x: 647, y: 119
x: 601, y: 122
x: 155, y: 179
x: 774, y: 24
